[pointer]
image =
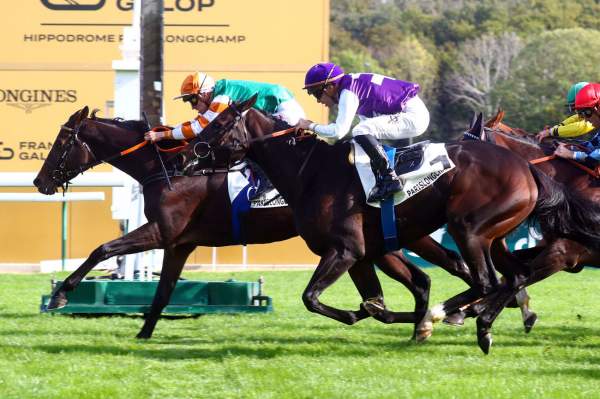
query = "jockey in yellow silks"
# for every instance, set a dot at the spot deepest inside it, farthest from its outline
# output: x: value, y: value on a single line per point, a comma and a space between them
x: 574, y: 125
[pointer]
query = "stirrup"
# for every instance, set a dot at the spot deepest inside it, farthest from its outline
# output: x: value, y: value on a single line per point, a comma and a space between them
x: 385, y: 189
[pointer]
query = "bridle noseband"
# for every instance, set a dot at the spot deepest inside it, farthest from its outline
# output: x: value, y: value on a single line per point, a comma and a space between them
x: 61, y: 176
x: 203, y: 149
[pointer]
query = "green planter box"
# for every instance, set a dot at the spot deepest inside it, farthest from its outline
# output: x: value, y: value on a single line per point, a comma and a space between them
x: 189, y: 297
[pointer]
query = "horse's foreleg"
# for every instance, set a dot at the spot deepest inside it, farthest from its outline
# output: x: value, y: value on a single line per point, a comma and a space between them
x: 366, y: 281
x: 433, y: 252
x: 476, y: 250
x: 173, y: 263
x: 396, y: 266
x: 331, y: 266
x: 144, y: 238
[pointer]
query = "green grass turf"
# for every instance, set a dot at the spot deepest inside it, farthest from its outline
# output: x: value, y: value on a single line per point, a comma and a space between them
x: 292, y: 353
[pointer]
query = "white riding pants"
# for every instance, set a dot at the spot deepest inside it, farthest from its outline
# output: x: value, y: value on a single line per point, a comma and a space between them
x: 411, y: 122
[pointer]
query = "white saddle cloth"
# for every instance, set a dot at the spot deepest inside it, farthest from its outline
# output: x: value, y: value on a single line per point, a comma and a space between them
x: 414, y: 182
x: 239, y: 177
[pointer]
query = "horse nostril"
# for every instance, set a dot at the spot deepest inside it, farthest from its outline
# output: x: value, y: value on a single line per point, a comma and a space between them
x: 36, y: 181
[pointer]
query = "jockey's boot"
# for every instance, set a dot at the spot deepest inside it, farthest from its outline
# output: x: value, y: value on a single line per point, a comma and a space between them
x: 388, y: 183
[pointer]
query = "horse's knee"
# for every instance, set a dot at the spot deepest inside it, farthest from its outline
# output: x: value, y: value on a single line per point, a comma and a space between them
x: 310, y: 301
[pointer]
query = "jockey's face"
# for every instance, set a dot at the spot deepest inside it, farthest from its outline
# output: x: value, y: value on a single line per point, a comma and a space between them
x: 202, y: 102
x: 327, y: 96
x: 592, y: 115
x: 595, y: 118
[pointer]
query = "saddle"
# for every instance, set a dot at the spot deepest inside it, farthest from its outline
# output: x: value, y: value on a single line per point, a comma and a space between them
x: 409, y: 158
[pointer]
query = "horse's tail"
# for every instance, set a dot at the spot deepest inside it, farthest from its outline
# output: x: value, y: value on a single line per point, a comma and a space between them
x: 563, y: 213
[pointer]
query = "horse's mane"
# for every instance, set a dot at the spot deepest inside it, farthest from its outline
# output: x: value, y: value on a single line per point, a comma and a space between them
x: 135, y: 125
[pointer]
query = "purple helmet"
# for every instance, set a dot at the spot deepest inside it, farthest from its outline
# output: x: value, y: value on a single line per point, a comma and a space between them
x: 321, y: 74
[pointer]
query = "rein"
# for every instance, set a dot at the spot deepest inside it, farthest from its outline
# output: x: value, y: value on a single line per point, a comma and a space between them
x: 592, y: 172
x: 61, y: 174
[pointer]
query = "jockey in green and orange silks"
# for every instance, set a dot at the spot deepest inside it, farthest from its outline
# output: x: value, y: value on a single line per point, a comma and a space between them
x: 210, y: 98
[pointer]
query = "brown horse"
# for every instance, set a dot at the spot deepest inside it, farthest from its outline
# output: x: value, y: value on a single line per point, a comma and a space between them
x: 478, y: 201
x: 575, y: 176
x: 198, y: 213
x: 558, y: 253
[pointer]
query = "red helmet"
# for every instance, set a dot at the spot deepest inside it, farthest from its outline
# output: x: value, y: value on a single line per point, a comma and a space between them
x: 588, y: 96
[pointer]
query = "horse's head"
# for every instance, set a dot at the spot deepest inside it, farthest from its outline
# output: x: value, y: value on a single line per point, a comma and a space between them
x: 68, y: 157
x: 226, y: 135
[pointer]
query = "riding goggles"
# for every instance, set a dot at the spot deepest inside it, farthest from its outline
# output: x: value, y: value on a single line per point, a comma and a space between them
x: 585, y: 112
x: 191, y: 98
x: 318, y: 92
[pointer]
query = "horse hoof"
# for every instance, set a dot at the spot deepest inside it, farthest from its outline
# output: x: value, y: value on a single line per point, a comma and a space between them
x: 530, y: 322
x: 143, y: 335
x: 423, y: 331
x: 57, y: 301
x: 455, y: 319
x: 485, y: 342
x: 373, y: 306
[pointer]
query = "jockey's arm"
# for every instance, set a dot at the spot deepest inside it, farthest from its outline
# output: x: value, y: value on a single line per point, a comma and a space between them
x: 582, y: 156
x: 573, y: 126
x: 190, y: 129
x: 347, y: 107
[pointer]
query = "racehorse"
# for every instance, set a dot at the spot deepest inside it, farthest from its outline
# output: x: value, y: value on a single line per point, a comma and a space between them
x: 574, y: 175
x: 197, y: 212
x: 478, y: 201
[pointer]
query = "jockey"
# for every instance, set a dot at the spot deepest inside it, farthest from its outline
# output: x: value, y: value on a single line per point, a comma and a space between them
x: 587, y: 105
x: 574, y: 125
x: 388, y: 109
x: 210, y: 98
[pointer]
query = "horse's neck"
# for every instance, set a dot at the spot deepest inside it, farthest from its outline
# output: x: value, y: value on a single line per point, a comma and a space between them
x: 137, y: 164
x: 519, y: 146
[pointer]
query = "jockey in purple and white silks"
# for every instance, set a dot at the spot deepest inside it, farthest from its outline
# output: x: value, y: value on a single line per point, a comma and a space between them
x: 388, y: 109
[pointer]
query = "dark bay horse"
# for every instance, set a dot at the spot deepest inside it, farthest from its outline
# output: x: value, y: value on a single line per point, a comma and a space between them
x: 198, y: 213
x: 478, y: 201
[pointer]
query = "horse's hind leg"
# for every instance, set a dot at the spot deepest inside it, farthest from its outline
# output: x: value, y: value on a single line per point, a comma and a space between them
x: 433, y: 252
x: 144, y: 238
x: 173, y: 263
x: 556, y: 256
x: 510, y: 264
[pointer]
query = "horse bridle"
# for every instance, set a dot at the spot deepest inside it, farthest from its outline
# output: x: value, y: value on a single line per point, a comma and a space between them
x: 61, y: 176
x: 203, y: 149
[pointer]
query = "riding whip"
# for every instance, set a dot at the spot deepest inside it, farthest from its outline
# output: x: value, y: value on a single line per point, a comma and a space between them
x: 162, y: 164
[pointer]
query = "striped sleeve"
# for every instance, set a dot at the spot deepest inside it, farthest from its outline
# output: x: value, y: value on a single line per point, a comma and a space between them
x: 190, y: 129
x: 218, y: 105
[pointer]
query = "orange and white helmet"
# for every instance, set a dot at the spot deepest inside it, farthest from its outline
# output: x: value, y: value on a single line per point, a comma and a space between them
x: 196, y: 83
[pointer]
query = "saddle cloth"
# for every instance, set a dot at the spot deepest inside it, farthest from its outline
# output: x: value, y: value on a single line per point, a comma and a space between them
x: 237, y: 181
x: 435, y: 164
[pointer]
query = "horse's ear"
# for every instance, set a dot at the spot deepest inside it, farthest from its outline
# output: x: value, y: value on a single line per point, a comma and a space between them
x: 478, y: 128
x: 83, y: 114
x: 246, y: 105
x: 93, y: 114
